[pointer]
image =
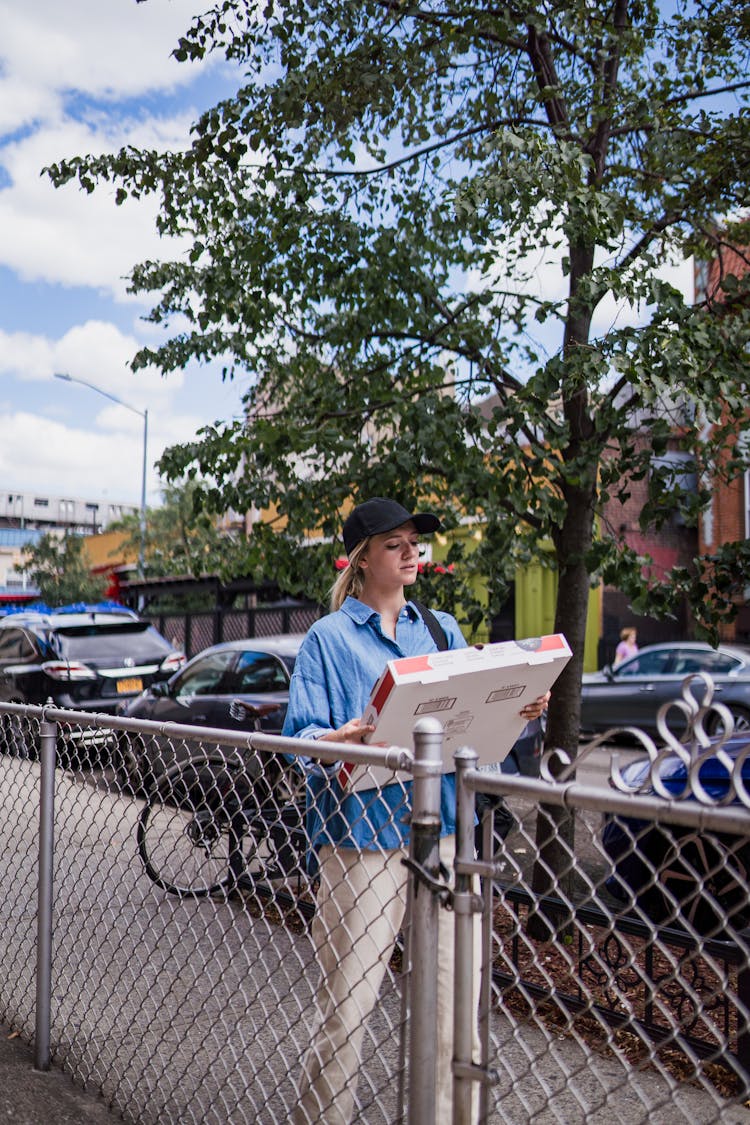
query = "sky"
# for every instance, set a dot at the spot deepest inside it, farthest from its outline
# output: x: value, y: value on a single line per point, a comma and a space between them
x: 87, y: 76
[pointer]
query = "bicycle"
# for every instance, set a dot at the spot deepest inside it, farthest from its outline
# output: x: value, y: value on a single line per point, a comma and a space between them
x: 215, y: 823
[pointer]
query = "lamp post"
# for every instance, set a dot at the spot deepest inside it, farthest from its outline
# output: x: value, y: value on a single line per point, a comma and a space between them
x: 141, y: 414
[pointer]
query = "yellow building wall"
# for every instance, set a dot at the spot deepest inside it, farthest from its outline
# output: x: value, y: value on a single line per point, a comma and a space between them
x: 536, y: 594
x: 535, y: 598
x: 109, y: 549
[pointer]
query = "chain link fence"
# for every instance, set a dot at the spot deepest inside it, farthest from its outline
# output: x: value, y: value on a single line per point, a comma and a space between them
x: 181, y: 973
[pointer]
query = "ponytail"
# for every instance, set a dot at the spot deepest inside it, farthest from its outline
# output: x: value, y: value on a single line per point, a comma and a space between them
x: 350, y: 582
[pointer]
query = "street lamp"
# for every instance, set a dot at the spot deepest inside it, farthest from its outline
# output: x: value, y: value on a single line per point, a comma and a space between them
x: 144, y: 415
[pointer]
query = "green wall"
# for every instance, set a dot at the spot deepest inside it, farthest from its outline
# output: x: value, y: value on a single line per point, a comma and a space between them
x: 536, y: 592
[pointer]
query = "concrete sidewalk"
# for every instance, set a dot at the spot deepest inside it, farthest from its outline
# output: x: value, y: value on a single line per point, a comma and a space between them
x: 34, y: 1097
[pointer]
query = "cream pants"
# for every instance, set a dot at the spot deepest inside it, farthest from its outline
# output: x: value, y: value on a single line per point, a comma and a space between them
x: 360, y: 910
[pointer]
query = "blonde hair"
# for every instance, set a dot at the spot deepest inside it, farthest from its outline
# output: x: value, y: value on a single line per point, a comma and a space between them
x: 351, y: 580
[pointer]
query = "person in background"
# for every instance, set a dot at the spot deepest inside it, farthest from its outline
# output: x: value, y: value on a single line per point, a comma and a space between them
x: 627, y: 646
x: 360, y: 838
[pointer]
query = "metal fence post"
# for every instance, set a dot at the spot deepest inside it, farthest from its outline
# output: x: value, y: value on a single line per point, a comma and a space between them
x: 423, y: 975
x: 48, y: 741
x: 464, y: 1015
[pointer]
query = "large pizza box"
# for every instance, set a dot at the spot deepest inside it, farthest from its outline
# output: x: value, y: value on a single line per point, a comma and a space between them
x: 476, y: 693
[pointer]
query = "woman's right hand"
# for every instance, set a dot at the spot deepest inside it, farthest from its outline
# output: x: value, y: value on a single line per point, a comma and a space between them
x: 353, y: 731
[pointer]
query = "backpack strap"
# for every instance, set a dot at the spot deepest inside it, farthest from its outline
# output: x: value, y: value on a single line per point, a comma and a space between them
x: 435, y: 629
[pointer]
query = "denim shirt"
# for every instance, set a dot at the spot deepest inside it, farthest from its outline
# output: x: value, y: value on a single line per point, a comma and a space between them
x: 337, y: 666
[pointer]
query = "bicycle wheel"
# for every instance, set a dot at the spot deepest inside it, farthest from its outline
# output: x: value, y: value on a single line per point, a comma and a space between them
x: 194, y: 832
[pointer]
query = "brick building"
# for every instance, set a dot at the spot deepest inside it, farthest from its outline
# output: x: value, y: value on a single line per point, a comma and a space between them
x: 727, y: 519
x: 672, y: 545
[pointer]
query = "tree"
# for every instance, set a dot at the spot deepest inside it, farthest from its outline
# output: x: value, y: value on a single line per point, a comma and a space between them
x: 58, y: 567
x: 182, y: 538
x: 366, y: 218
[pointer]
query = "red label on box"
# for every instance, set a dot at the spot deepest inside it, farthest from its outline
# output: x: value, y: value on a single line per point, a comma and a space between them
x: 383, y: 691
x: 406, y: 665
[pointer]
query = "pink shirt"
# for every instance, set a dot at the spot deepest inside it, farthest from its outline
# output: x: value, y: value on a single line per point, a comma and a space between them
x: 624, y: 651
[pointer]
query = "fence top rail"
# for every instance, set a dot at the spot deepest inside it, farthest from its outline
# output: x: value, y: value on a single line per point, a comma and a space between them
x: 395, y: 758
x: 572, y: 795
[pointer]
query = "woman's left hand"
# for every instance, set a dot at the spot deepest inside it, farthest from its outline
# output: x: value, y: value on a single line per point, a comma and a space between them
x: 536, y: 708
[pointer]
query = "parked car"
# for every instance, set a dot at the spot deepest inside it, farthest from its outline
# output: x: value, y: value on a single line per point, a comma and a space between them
x: 676, y: 875
x: 632, y: 693
x: 83, y: 658
x: 86, y: 658
x: 255, y: 671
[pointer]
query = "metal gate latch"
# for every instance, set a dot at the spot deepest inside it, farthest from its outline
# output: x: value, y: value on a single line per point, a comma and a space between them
x: 439, y: 886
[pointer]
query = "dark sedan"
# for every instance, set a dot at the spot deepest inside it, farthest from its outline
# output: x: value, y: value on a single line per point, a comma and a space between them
x: 255, y: 671
x: 632, y: 693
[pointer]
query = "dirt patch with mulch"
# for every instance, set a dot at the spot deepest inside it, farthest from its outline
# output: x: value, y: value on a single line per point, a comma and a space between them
x: 660, y: 1006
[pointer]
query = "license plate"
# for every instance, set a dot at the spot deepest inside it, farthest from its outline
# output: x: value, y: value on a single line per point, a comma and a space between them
x: 135, y: 683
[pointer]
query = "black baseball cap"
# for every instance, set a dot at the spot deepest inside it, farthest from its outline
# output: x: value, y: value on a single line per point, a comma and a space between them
x: 376, y: 516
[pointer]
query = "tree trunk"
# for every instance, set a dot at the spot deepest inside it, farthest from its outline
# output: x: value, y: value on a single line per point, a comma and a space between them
x: 555, y: 867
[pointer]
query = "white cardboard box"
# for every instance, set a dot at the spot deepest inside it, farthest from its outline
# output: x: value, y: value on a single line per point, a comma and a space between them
x: 475, y: 692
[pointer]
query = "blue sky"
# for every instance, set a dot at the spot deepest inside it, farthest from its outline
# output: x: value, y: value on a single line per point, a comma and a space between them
x: 79, y: 77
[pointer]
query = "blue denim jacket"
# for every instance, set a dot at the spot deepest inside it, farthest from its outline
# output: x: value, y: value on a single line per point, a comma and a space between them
x: 340, y: 659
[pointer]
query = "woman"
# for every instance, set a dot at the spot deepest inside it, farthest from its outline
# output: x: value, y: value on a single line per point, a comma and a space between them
x: 361, y: 838
x: 627, y: 646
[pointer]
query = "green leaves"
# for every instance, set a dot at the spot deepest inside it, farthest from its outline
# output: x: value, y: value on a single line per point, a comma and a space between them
x: 61, y: 571
x: 430, y: 240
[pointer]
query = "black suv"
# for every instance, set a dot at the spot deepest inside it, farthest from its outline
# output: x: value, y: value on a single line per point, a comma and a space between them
x: 87, y: 658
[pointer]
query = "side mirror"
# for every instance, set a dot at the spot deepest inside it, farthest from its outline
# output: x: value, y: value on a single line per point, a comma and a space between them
x: 160, y: 688
x: 608, y: 671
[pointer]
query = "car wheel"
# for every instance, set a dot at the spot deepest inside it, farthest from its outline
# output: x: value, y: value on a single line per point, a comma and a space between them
x: 677, y: 877
x: 708, y: 876
x: 741, y: 721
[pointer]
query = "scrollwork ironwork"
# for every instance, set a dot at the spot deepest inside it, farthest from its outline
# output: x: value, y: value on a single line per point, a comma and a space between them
x: 693, y: 746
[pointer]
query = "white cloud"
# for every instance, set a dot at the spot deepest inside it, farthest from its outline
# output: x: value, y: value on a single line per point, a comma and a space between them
x: 68, y: 236
x: 52, y: 58
x: 90, y: 76
x: 96, y: 351
x: 105, y: 48
x: 41, y: 449
x: 103, y: 458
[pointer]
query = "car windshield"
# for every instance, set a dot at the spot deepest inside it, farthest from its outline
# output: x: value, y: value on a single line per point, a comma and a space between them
x: 136, y: 640
x: 205, y: 676
x: 258, y: 672
x: 647, y: 664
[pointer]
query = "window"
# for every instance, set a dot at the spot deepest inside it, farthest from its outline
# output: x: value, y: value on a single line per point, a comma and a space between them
x: 112, y: 644
x: 14, y: 646
x: 259, y: 672
x: 41, y: 502
x: 720, y: 663
x: 647, y: 664
x: 206, y: 677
